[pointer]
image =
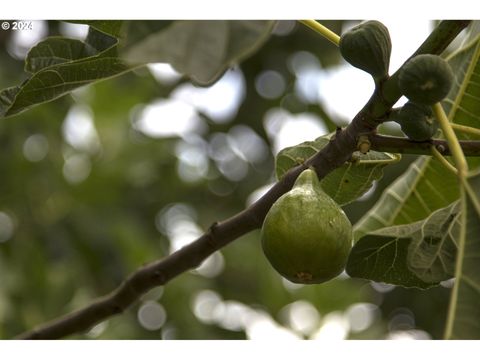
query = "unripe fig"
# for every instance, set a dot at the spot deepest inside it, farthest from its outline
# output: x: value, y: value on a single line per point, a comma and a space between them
x: 367, y: 46
x: 417, y: 121
x: 306, y: 236
x: 425, y: 79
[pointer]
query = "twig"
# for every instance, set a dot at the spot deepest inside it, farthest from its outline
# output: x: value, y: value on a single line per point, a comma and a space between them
x: 402, y: 145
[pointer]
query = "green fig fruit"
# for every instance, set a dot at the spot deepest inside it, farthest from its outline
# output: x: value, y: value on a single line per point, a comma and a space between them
x: 426, y: 79
x: 367, y: 46
x: 306, y: 236
x: 417, y: 121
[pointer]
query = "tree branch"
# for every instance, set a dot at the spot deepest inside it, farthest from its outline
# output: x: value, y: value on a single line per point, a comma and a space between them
x: 330, y: 157
x: 405, y: 146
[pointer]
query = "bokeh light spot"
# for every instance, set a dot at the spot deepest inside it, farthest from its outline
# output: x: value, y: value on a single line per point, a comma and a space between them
x: 168, y: 118
x: 192, y: 157
x: 211, y: 266
x: 381, y: 287
x: 22, y: 40
x: 284, y: 27
x: 361, y: 316
x: 6, y: 227
x: 204, y: 304
x: 415, y: 334
x: 79, y: 130
x: 334, y: 327
x: 287, y: 129
x: 401, y: 319
x: 76, y: 168
x: 301, y: 316
x: 270, y: 84
x: 75, y: 31
x: 35, y: 148
x: 151, y: 315
x: 98, y: 330
x: 164, y: 73
x: 219, y: 101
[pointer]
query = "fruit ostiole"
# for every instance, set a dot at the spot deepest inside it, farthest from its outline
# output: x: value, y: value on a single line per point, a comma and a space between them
x: 306, y: 236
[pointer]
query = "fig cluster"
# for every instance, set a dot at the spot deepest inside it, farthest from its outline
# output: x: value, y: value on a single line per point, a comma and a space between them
x: 424, y: 80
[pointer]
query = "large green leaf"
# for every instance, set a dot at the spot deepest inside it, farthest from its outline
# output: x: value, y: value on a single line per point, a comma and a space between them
x: 57, y: 50
x: 420, y: 254
x: 432, y: 252
x: 203, y: 50
x: 134, y: 32
x: 60, y: 66
x: 464, y: 314
x: 462, y: 105
x: 427, y: 185
x: 423, y: 188
x: 382, y: 256
x: 109, y: 27
x: 346, y: 183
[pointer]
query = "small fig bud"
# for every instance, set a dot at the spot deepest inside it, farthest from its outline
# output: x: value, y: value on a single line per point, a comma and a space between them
x: 426, y: 79
x: 306, y: 236
x: 367, y: 46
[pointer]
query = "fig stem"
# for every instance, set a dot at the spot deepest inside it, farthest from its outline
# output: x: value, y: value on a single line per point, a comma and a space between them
x: 322, y: 30
x: 465, y: 129
x: 454, y: 144
x: 436, y: 154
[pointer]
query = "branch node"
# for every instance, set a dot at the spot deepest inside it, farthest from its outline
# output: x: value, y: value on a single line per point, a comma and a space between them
x: 116, y: 309
x: 363, y: 144
x: 441, y: 148
x: 159, y: 277
x: 211, y: 234
x: 355, y: 158
x: 213, y: 228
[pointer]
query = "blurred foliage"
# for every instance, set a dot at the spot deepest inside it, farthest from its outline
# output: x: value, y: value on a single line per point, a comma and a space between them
x: 75, y: 241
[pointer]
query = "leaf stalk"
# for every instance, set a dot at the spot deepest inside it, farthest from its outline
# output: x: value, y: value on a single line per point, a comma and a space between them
x: 456, y: 149
x: 322, y: 30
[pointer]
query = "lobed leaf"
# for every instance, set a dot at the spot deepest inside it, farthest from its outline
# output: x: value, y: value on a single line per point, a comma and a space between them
x: 56, y: 50
x: 464, y: 313
x: 346, y: 183
x: 203, y: 50
x: 433, y: 249
x: 61, y: 65
x: 109, y: 27
x: 382, y: 257
x: 420, y: 254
